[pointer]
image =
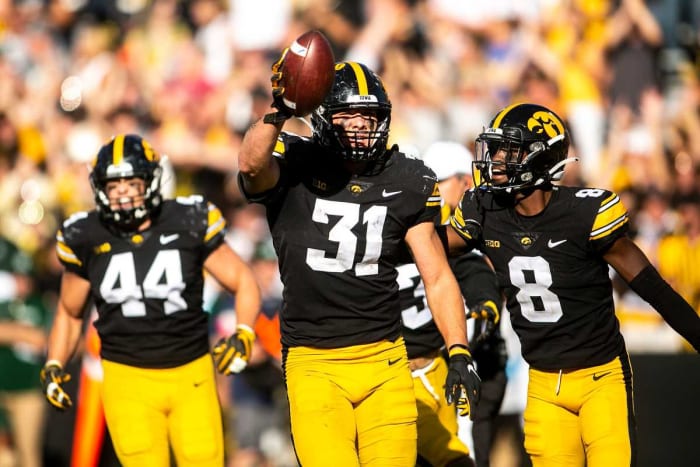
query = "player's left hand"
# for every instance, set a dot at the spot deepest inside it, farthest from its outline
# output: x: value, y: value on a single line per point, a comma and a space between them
x: 463, y: 385
x: 231, y: 354
x: 52, y: 379
x: 487, y: 317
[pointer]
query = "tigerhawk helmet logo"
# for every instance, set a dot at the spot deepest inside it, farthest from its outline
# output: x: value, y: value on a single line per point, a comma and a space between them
x: 545, y: 122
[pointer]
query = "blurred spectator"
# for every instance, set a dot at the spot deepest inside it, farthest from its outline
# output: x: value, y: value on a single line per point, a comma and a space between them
x: 679, y: 253
x: 633, y: 40
x: 23, y: 322
x: 213, y: 36
x: 256, y: 399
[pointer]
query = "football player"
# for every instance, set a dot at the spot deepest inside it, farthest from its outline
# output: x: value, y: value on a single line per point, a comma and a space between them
x: 551, y: 247
x: 140, y: 258
x: 438, y: 443
x: 341, y: 205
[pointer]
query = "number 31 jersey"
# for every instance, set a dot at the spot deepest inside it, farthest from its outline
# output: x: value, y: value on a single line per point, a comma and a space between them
x: 339, y: 238
x: 147, y: 286
x: 551, y: 269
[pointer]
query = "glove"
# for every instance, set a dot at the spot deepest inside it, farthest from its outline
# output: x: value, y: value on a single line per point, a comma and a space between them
x: 231, y: 354
x: 52, y: 377
x: 463, y: 385
x: 488, y: 316
x: 277, y: 79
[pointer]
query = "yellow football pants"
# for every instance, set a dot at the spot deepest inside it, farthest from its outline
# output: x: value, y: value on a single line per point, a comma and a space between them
x: 352, y: 406
x: 437, y: 421
x: 149, y: 411
x: 581, y: 417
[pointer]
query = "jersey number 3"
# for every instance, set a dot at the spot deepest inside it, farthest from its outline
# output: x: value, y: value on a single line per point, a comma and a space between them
x: 342, y: 234
x: 162, y: 282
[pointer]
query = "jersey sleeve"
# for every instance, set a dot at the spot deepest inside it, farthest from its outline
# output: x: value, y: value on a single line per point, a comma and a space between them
x: 70, y: 239
x: 611, y: 222
x: 465, y: 219
x: 215, y: 228
x: 283, y: 152
x: 433, y: 202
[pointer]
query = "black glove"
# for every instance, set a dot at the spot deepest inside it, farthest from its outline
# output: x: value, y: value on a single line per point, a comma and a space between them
x: 463, y: 385
x: 52, y: 377
x: 277, y: 79
x: 487, y: 317
x: 231, y: 354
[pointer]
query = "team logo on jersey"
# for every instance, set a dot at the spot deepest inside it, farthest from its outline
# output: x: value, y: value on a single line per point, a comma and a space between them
x: 526, y: 240
x: 104, y: 248
x: 137, y: 239
x: 356, y: 187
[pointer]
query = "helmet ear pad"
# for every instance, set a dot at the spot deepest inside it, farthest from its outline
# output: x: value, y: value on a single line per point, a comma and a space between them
x: 356, y: 88
x: 124, y: 157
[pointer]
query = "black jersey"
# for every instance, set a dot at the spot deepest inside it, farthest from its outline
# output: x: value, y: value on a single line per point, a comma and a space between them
x: 476, y: 281
x: 147, y: 286
x: 551, y: 268
x: 338, y: 238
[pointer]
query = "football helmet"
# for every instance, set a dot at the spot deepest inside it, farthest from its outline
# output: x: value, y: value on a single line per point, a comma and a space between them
x: 356, y: 87
x: 526, y: 143
x: 127, y: 156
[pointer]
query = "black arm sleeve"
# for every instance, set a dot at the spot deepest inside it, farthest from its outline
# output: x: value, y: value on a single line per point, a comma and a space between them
x: 476, y: 279
x: 649, y: 285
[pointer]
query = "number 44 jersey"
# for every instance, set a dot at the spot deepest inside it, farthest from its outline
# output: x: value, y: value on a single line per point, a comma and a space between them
x: 339, y: 238
x: 147, y: 286
x: 552, y: 271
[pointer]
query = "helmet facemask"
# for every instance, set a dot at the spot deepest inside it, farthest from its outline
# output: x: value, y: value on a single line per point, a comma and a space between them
x: 356, y: 145
x: 356, y: 90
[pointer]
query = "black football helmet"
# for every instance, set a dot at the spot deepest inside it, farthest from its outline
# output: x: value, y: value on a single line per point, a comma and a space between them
x: 127, y: 156
x: 535, y: 144
x: 355, y: 87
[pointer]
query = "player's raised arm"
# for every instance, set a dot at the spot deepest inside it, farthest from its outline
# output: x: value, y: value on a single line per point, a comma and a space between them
x: 301, y: 78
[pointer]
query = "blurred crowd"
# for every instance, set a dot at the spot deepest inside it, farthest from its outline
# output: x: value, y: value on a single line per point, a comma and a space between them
x: 190, y: 76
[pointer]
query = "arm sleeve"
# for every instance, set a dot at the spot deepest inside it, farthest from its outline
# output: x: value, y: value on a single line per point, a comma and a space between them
x: 649, y: 285
x: 477, y: 280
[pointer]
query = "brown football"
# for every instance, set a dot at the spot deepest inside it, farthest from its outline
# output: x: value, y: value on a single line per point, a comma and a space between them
x: 308, y: 72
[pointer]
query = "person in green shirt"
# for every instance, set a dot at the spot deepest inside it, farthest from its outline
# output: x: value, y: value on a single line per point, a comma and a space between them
x: 23, y: 321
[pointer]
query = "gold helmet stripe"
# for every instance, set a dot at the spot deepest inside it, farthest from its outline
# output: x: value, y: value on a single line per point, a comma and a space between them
x: 118, y: 150
x: 361, y: 79
x: 502, y: 114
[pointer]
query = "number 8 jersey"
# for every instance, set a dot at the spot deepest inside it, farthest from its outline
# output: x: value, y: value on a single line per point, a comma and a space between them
x: 147, y: 286
x: 551, y: 268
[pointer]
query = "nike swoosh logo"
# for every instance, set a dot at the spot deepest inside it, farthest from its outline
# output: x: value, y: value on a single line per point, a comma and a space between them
x: 165, y: 239
x: 552, y: 244
x: 393, y: 362
x: 596, y: 377
x: 386, y: 194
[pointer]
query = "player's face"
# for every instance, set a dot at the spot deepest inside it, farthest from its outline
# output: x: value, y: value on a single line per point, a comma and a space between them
x: 125, y: 193
x: 500, y: 158
x: 357, y: 127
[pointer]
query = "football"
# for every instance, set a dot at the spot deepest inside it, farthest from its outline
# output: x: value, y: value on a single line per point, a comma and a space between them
x: 308, y: 72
